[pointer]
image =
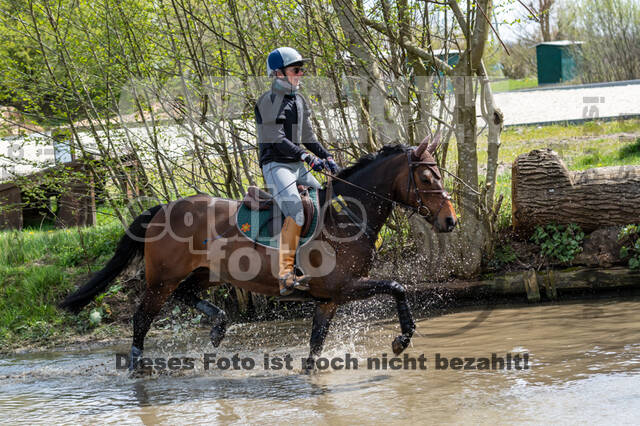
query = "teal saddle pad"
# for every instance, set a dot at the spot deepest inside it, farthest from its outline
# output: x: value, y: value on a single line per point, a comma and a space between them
x: 263, y: 228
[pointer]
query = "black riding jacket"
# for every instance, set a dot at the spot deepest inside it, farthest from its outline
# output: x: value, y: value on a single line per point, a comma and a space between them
x: 282, y: 129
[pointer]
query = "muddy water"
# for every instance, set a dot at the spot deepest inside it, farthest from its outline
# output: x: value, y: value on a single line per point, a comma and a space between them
x: 583, y: 366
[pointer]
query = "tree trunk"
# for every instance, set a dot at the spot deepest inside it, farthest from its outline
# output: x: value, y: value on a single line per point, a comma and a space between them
x: 544, y: 191
x: 473, y: 232
x: 369, y: 82
x: 494, y: 119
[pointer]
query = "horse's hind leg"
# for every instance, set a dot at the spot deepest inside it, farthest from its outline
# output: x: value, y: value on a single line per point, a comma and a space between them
x: 365, y: 288
x: 154, y: 298
x: 187, y: 292
x: 321, y: 321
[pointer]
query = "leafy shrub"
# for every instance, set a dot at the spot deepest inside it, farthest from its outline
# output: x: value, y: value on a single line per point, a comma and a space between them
x: 629, y: 236
x: 593, y: 128
x: 559, y: 242
x: 502, y: 255
x: 11, y: 248
x: 89, y: 244
x: 630, y: 151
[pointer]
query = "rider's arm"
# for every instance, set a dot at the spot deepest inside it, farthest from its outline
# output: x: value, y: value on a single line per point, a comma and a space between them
x: 308, y: 136
x: 273, y: 132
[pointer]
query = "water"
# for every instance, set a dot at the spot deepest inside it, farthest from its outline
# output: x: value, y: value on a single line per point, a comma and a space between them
x: 584, y: 366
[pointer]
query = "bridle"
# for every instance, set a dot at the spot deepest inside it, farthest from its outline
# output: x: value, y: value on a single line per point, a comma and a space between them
x: 411, y: 185
x: 432, y: 166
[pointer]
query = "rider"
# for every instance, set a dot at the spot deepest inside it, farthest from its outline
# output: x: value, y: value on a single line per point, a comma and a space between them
x: 283, y: 123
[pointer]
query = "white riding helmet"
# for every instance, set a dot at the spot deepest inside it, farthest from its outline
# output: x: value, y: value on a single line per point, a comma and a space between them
x: 281, y: 58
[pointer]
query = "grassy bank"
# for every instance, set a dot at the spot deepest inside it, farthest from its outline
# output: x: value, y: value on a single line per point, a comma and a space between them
x: 38, y: 268
x: 511, y: 84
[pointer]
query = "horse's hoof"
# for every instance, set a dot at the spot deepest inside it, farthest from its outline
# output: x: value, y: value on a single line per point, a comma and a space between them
x: 309, y: 367
x: 140, y: 373
x: 400, y: 343
x: 217, y: 334
x: 134, y: 358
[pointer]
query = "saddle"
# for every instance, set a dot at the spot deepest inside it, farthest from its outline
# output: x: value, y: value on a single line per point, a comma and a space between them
x: 257, y: 199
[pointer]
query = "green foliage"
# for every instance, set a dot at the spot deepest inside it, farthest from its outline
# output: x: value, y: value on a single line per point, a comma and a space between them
x: 610, y: 31
x: 631, y: 151
x: 64, y: 247
x: 28, y: 301
x: 12, y: 249
x: 602, y: 157
x: 629, y: 236
x: 502, y: 255
x: 559, y: 242
x: 514, y: 84
x: 89, y: 244
x: 39, y: 268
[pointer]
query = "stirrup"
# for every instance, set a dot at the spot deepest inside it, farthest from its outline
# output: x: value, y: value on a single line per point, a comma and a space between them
x: 301, y: 281
x: 286, y: 289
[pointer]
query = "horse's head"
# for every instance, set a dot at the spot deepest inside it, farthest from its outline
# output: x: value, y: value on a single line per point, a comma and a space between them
x: 424, y: 189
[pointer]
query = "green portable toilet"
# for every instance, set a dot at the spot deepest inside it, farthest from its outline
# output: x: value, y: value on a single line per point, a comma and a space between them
x: 557, y: 61
x: 451, y: 57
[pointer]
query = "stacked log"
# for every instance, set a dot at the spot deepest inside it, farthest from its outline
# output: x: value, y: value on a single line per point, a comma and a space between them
x: 544, y: 191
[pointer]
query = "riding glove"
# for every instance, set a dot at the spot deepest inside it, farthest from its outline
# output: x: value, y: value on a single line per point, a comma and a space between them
x: 316, y: 163
x: 332, y: 166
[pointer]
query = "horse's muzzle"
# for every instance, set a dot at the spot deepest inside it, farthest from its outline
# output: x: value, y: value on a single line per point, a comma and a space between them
x: 449, y: 223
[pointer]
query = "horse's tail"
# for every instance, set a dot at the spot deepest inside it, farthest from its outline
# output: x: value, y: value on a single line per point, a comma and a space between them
x: 131, y: 244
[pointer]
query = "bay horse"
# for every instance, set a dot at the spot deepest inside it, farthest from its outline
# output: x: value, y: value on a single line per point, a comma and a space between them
x: 193, y: 243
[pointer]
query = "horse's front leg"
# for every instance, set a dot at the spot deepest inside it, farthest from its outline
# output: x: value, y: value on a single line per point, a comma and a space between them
x: 364, y: 288
x: 321, y: 321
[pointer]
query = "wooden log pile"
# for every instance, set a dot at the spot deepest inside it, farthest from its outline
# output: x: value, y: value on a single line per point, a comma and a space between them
x: 544, y: 191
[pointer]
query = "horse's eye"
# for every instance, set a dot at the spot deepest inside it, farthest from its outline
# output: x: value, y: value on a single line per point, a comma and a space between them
x: 425, y: 177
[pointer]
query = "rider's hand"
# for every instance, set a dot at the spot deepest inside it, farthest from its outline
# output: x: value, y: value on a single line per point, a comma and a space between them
x: 313, y: 161
x: 332, y: 166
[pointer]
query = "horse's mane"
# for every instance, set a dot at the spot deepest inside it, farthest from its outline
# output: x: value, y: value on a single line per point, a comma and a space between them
x: 371, y: 158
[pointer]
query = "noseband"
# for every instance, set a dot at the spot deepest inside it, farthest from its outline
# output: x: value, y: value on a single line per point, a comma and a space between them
x: 423, y: 210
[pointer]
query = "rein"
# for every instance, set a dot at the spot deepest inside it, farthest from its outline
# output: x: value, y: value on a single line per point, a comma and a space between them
x: 411, y: 185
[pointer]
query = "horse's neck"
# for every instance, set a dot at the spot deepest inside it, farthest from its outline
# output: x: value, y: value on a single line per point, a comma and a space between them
x: 377, y: 209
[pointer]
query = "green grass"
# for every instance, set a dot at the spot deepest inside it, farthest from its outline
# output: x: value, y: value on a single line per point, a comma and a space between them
x: 508, y: 85
x: 562, y: 131
x: 37, y: 269
x: 27, y: 302
x: 568, y: 141
x: 65, y: 247
x: 628, y: 154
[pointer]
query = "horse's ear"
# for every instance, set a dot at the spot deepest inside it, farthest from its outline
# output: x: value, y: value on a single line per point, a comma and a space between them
x: 417, y: 153
x: 434, y: 145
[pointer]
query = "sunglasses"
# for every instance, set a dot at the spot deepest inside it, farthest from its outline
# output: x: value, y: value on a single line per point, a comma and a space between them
x: 298, y: 70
